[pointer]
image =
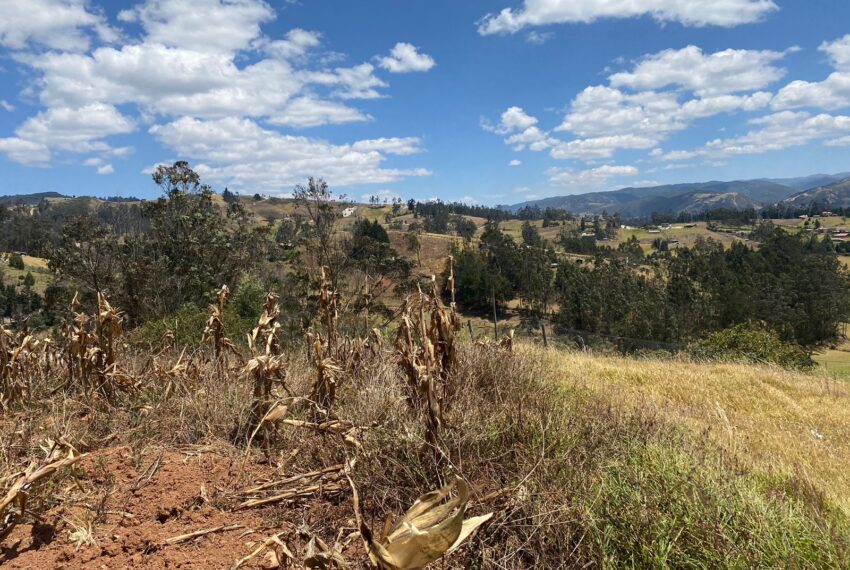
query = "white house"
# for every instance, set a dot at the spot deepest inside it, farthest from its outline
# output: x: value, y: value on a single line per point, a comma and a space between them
x: 348, y: 212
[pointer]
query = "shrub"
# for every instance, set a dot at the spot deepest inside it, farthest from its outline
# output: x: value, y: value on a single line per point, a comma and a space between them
x: 248, y: 300
x: 187, y: 325
x: 753, y: 342
x: 16, y: 261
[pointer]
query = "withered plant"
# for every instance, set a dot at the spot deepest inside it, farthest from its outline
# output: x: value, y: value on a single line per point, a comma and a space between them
x: 427, y: 352
x: 429, y: 530
x: 214, y: 330
x: 23, y: 358
x: 91, y: 351
x: 324, y: 350
x: 267, y: 366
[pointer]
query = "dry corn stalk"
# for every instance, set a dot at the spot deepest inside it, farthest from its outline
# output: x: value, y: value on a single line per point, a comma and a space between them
x: 321, y: 556
x: 327, y: 372
x: 19, y: 492
x: 328, y: 301
x: 427, y: 352
x: 214, y: 329
x: 266, y: 332
x: 326, y: 350
x: 91, y: 353
x: 267, y: 366
x: 22, y: 357
x: 180, y: 375
x: 275, y: 539
x: 429, y: 530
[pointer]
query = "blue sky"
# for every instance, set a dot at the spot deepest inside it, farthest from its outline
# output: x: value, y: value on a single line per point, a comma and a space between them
x: 494, y: 101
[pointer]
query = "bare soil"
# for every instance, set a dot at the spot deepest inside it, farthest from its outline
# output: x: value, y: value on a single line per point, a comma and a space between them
x: 129, y: 506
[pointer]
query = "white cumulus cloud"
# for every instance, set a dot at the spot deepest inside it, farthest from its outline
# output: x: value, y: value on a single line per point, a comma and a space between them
x: 663, y: 93
x: 205, y: 65
x: 831, y: 93
x: 201, y: 25
x: 589, y: 179
x: 724, y: 13
x: 726, y: 71
x: 405, y: 58
x: 55, y: 24
x: 244, y: 155
x: 777, y: 131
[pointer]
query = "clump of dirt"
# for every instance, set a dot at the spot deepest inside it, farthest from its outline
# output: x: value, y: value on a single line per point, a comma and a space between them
x: 122, y: 509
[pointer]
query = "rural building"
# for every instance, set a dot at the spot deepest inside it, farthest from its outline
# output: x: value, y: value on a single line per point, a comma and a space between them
x: 348, y: 212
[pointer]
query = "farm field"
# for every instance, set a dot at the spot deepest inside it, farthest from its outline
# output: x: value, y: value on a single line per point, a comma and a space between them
x: 632, y: 441
x: 829, y: 222
x: 686, y: 236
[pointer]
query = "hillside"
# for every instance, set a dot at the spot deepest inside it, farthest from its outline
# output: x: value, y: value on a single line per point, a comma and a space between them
x: 835, y: 195
x: 785, y: 423
x: 29, y: 199
x: 583, y: 460
x: 670, y: 198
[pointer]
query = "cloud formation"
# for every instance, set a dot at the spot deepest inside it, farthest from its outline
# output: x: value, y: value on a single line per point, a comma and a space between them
x: 831, y: 93
x: 202, y: 65
x: 241, y: 153
x: 725, y: 13
x: 405, y: 58
x: 55, y: 24
x: 663, y: 93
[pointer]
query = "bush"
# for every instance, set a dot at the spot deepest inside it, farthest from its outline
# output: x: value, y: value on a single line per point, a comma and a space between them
x: 753, y: 342
x: 187, y: 325
x: 248, y: 300
x: 16, y: 261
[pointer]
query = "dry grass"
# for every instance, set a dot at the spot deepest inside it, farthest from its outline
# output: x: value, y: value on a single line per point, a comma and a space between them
x: 793, y: 423
x: 435, y: 248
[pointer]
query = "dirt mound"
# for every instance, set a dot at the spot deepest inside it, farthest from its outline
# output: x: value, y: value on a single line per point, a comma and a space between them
x: 122, y: 510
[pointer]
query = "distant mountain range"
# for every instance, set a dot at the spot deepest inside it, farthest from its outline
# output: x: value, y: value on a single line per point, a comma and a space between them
x: 701, y: 196
x: 826, y: 189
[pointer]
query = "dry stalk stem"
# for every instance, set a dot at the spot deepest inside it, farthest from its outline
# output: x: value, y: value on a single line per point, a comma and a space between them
x: 23, y: 358
x: 266, y: 366
x: 214, y: 329
x: 289, y: 480
x: 192, y: 535
x: 332, y: 487
x: 270, y: 541
x: 19, y: 491
x: 325, y: 351
x: 427, y: 351
x: 91, y: 351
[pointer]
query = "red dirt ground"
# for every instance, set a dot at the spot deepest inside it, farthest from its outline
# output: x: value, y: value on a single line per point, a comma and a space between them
x: 138, y: 503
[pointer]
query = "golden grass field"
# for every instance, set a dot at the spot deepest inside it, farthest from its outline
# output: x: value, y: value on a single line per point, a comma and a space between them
x: 788, y: 422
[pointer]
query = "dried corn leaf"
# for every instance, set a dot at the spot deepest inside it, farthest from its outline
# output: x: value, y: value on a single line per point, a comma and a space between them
x: 428, y: 530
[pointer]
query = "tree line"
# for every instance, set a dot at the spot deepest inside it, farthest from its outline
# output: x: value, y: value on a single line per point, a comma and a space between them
x: 794, y: 284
